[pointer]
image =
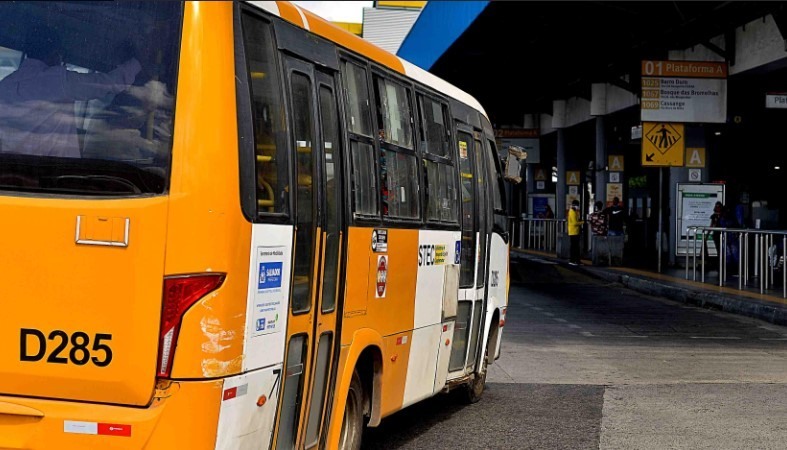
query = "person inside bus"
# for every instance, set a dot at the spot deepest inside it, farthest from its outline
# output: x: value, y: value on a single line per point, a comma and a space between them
x: 37, y: 109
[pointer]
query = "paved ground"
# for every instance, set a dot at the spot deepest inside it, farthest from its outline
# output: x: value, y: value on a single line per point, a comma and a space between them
x: 588, y: 364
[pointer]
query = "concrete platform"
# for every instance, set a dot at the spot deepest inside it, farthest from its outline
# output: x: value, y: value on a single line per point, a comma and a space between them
x: 770, y: 308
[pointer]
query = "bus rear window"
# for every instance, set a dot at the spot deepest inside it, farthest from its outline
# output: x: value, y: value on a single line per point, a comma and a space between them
x: 87, y: 96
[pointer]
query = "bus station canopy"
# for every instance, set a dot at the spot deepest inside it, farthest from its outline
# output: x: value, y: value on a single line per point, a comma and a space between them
x: 516, y: 57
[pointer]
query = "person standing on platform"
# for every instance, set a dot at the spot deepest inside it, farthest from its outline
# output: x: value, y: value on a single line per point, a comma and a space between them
x: 574, y: 231
x: 615, y: 218
x: 716, y: 222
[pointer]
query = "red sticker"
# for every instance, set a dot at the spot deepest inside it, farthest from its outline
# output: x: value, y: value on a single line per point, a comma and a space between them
x: 230, y: 393
x: 114, y: 429
x: 382, y: 275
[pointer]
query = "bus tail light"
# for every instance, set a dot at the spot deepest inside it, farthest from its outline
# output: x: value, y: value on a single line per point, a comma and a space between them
x: 180, y: 293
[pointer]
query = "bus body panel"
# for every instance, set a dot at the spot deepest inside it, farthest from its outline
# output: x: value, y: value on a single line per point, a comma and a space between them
x: 248, y: 410
x: 169, y: 422
x: 392, y: 309
x: 437, y: 272
x: 80, y: 321
x: 397, y: 351
x: 207, y: 230
x: 497, y: 292
x: 422, y: 366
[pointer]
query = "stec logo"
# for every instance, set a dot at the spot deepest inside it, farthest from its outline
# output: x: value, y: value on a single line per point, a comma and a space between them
x: 426, y: 255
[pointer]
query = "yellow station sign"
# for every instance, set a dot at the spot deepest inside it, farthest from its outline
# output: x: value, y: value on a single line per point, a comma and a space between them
x: 615, y: 163
x: 663, y: 144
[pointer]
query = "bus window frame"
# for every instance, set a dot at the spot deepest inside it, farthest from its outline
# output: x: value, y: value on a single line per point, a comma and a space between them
x: 380, y: 145
x: 461, y: 127
x: 353, y: 218
x: 496, y: 171
x: 451, y: 161
x: 245, y: 123
x: 317, y: 193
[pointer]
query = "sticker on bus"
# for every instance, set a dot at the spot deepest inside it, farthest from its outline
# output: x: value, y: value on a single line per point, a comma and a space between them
x: 270, y: 275
x: 382, y: 276
x: 270, y: 298
x: 380, y: 241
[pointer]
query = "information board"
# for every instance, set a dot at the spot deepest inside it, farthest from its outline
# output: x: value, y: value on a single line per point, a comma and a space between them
x: 684, y: 91
x: 695, y: 206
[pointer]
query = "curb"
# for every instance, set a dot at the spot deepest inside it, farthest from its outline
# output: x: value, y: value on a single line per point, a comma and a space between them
x: 757, y: 309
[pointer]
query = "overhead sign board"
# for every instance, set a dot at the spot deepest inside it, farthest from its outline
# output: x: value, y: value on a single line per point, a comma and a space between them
x: 684, y: 69
x: 572, y: 178
x: 684, y: 91
x: 663, y: 144
x: 776, y: 101
x: 521, y: 133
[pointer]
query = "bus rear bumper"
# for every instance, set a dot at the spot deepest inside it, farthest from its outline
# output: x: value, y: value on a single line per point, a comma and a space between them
x: 181, y: 415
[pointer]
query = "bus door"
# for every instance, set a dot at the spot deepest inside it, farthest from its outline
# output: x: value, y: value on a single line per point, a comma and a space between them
x: 312, y: 321
x: 472, y: 254
x: 497, y: 269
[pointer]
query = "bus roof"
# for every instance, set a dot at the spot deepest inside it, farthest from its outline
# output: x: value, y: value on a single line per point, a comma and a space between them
x: 317, y: 25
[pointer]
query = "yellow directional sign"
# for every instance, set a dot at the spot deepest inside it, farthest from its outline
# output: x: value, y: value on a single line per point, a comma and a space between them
x: 615, y: 163
x: 663, y: 144
x: 695, y: 157
x: 540, y: 175
x: 572, y: 178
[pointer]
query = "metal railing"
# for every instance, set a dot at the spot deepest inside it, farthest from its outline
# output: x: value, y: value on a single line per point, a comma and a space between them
x: 757, y: 253
x: 538, y: 234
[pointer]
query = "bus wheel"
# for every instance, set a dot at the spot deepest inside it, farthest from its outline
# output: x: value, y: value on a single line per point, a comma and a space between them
x: 352, y: 424
x: 475, y: 389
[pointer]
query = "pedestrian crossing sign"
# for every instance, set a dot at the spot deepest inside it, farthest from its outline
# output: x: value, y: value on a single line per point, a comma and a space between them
x: 663, y: 144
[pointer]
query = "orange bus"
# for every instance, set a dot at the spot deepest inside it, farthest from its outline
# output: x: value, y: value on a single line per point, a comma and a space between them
x: 236, y: 226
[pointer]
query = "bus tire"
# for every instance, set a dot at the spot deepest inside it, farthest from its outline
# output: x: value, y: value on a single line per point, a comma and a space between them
x: 352, y: 422
x: 474, y: 390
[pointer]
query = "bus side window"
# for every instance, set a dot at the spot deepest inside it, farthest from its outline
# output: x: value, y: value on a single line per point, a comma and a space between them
x: 359, y: 125
x: 439, y: 169
x: 398, y: 161
x: 500, y: 223
x: 270, y: 157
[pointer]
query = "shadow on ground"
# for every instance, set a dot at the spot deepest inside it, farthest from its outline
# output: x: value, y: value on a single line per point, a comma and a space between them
x: 521, y: 416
